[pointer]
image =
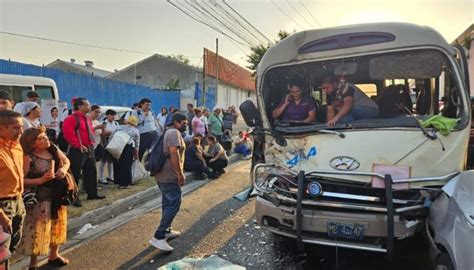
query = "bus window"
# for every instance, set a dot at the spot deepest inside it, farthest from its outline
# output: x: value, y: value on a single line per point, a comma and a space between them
x: 45, y: 92
x: 18, y: 92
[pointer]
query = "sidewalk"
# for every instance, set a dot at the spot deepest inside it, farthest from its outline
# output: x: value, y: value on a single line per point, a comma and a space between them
x: 118, y: 201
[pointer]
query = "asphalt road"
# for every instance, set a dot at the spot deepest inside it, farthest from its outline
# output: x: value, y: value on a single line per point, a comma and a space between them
x: 212, y: 222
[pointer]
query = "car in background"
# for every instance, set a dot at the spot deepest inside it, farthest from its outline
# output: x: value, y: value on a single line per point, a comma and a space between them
x: 450, y: 227
x: 121, y: 111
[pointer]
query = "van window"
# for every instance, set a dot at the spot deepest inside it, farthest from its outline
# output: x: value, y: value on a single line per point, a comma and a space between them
x: 18, y: 92
x: 44, y: 91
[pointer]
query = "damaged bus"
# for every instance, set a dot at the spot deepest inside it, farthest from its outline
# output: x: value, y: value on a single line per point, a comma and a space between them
x: 363, y: 183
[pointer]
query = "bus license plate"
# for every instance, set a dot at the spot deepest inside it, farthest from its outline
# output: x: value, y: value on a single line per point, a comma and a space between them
x: 350, y: 231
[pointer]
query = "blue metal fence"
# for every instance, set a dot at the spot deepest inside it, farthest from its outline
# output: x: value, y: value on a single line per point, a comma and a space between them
x: 98, y: 90
x: 210, y: 96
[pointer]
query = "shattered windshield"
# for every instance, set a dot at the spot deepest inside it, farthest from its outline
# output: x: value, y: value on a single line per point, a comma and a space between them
x: 400, y: 89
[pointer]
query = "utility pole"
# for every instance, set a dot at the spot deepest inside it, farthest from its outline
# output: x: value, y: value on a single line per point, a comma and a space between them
x: 217, y: 65
x: 203, y: 98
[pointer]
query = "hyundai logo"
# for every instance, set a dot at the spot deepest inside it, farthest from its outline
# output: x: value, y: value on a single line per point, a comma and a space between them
x: 343, y: 163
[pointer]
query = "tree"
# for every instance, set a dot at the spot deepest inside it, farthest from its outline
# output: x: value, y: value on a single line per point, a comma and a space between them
x: 173, y: 84
x: 181, y: 58
x: 257, y: 52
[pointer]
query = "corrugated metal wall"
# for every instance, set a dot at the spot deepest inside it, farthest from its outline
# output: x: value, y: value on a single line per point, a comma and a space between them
x: 97, y: 90
x: 210, y: 96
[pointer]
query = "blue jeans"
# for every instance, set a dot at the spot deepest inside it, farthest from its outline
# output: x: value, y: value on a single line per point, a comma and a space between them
x: 170, y: 204
x: 242, y: 149
x: 360, y: 113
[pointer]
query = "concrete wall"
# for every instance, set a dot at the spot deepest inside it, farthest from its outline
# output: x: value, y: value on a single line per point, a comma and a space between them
x: 229, y: 95
x: 156, y: 71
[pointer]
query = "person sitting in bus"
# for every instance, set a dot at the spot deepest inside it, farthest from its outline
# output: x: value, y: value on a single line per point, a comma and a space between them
x: 346, y: 102
x: 295, y: 106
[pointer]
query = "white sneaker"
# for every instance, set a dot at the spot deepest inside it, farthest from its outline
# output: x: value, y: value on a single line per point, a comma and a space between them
x: 160, y: 244
x: 172, y: 234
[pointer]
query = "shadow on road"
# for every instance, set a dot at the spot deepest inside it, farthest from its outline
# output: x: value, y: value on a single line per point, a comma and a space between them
x: 188, y: 240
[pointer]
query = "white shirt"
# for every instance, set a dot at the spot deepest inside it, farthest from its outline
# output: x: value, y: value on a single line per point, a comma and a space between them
x: 111, y: 126
x: 97, y: 132
x: 145, y: 123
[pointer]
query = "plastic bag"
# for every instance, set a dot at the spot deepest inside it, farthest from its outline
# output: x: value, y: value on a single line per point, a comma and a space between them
x: 138, y: 171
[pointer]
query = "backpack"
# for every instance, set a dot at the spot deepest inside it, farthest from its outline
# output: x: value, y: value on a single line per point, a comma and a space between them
x: 61, y: 142
x: 156, y: 158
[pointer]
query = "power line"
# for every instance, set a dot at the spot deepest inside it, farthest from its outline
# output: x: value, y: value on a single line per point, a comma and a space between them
x: 231, y: 20
x: 82, y: 44
x: 287, y: 15
x: 242, y: 17
x: 236, y: 20
x: 299, y: 14
x: 310, y: 14
x: 204, y: 13
x: 216, y: 29
x: 249, y: 42
x: 74, y: 43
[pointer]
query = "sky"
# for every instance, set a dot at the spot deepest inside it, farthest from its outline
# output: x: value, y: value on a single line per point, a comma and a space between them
x: 156, y: 26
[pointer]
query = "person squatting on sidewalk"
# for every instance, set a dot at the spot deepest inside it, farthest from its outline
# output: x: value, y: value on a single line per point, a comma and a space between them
x: 12, y: 210
x: 170, y: 179
x: 146, y: 126
x: 77, y: 129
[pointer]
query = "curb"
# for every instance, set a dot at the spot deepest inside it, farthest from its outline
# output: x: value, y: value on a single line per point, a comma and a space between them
x: 121, y: 206
x: 118, y: 207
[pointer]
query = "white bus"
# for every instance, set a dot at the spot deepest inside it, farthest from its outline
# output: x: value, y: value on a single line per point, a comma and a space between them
x: 18, y: 86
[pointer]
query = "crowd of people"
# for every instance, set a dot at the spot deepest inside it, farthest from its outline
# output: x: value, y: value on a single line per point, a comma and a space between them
x: 36, y: 160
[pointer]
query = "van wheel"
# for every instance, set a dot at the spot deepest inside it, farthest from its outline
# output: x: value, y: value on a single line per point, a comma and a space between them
x: 443, y: 262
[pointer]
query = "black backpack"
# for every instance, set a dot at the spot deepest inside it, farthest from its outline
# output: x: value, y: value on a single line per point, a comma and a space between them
x: 156, y: 158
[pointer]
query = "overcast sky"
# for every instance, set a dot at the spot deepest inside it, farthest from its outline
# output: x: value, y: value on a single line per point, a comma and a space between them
x: 155, y: 26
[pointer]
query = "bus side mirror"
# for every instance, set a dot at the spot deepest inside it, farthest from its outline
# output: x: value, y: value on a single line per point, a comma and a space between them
x: 250, y: 113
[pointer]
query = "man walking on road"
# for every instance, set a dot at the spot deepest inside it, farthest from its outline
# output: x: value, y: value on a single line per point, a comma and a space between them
x: 170, y: 179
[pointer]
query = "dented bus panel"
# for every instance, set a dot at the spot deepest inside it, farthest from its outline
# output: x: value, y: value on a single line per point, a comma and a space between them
x: 364, y: 183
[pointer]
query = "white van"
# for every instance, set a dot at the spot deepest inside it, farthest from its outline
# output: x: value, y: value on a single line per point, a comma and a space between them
x: 18, y: 86
x: 364, y: 183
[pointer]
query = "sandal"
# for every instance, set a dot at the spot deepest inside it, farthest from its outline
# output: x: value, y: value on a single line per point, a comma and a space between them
x: 58, y: 262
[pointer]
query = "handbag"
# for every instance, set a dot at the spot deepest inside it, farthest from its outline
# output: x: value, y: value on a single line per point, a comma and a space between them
x: 117, y: 143
x: 71, y: 193
x: 138, y: 171
x: 29, y: 196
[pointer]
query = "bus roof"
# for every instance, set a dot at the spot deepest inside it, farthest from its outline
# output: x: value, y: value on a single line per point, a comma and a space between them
x: 25, y: 80
x: 350, y: 40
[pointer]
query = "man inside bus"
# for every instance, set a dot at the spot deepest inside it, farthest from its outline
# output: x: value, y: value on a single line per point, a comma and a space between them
x: 346, y: 102
x: 295, y: 106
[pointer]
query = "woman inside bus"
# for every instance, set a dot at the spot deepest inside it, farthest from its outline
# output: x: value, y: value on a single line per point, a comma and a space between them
x: 295, y: 107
